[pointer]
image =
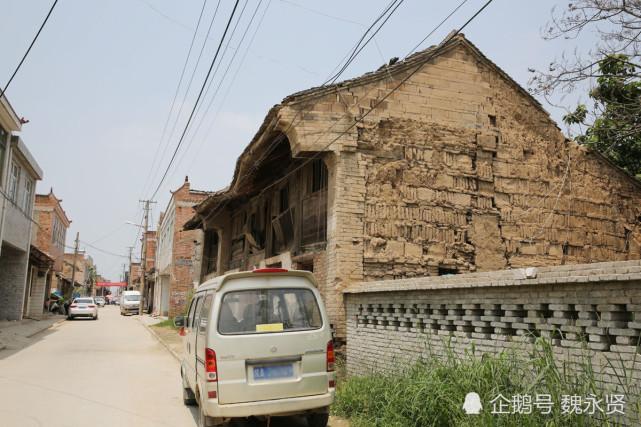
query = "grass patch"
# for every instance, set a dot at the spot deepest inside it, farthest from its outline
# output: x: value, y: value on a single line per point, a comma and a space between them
x: 432, y: 392
x: 169, y: 323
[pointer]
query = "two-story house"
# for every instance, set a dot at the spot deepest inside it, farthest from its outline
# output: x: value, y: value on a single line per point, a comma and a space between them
x: 436, y: 164
x: 19, y: 172
x: 51, y: 235
x: 177, y: 252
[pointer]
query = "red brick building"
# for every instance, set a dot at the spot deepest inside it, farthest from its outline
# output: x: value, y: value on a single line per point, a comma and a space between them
x: 177, y: 253
x: 51, y: 235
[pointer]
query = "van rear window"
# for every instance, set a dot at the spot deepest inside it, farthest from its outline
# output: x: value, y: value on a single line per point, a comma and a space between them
x: 268, y: 310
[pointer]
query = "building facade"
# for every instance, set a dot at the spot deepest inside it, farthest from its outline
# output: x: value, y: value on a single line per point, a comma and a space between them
x: 18, y: 175
x: 438, y: 164
x: 177, y: 253
x: 50, y: 237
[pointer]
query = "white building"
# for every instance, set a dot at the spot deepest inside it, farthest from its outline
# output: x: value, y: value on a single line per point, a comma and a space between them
x: 18, y: 175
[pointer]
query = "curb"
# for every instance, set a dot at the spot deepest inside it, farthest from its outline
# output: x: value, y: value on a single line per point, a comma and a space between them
x: 56, y: 323
x: 164, y: 344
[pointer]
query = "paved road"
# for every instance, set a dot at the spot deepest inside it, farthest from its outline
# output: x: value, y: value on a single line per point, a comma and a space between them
x: 109, y: 372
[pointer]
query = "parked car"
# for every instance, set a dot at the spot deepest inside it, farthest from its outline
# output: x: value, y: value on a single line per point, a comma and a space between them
x: 130, y: 303
x: 258, y: 344
x: 83, y: 307
x: 100, y: 301
x: 115, y: 301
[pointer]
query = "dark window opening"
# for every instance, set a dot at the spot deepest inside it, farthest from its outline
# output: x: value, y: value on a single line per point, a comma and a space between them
x: 318, y: 176
x: 445, y: 271
x: 211, y: 252
x: 283, y: 199
x: 492, y: 120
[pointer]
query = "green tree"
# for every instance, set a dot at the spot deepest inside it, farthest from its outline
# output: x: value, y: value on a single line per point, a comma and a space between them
x: 613, y: 125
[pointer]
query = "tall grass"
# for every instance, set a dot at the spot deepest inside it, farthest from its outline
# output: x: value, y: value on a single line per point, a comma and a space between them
x: 432, y: 392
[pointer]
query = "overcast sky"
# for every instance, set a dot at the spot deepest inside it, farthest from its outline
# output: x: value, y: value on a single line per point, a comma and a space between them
x: 98, y: 86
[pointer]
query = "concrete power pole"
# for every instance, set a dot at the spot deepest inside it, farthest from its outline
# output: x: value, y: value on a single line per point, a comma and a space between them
x: 131, y: 249
x: 73, y: 266
x: 143, y: 258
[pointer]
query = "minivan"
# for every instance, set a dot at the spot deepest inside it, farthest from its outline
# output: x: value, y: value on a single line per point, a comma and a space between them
x: 258, y: 344
x: 130, y: 303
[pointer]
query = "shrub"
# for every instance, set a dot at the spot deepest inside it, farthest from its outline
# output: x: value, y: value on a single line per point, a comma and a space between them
x: 432, y: 392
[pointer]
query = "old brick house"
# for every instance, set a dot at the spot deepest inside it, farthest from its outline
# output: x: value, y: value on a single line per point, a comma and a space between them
x: 457, y: 169
x: 177, y: 252
x: 51, y: 235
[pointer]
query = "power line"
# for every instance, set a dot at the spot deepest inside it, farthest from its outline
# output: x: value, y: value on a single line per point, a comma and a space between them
x: 191, y: 115
x: 104, y: 251
x: 191, y: 80
x: 231, y: 84
x: 29, y: 48
x: 173, y: 102
x: 222, y: 79
x: 436, y: 28
x: 355, y: 51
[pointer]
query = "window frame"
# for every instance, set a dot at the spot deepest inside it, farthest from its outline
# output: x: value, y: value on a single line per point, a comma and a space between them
x: 207, y: 299
x: 284, y: 289
x: 27, y: 195
x: 14, y: 181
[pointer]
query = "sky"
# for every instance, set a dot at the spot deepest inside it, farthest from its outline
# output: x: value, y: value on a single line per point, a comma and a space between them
x: 98, y: 87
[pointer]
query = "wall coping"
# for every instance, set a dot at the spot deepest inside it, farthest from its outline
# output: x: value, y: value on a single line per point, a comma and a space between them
x: 577, y: 273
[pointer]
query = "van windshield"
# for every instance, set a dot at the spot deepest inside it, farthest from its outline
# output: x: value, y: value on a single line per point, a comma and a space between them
x: 268, y: 310
x: 132, y: 297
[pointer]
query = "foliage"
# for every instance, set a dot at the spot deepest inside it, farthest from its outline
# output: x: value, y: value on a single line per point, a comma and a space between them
x: 169, y: 323
x: 432, y: 392
x: 615, y: 129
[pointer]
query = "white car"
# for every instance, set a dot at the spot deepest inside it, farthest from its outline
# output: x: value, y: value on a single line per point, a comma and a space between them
x: 258, y: 344
x: 100, y: 301
x: 83, y: 307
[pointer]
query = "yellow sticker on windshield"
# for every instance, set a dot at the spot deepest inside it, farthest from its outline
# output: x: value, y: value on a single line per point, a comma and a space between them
x: 269, y: 327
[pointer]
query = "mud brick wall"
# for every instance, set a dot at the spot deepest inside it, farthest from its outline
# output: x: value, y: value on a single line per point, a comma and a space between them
x: 457, y: 171
x: 392, y: 324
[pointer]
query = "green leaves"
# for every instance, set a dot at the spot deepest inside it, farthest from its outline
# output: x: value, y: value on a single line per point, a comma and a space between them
x: 616, y: 128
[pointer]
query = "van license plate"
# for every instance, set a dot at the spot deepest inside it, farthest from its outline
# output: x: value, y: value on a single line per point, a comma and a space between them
x: 272, y: 372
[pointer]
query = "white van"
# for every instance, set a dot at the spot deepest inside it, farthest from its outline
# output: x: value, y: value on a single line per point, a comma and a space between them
x: 258, y: 344
x: 129, y: 302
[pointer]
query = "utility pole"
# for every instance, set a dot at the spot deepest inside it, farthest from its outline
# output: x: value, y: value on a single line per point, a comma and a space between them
x: 73, y: 266
x: 131, y: 248
x: 143, y: 258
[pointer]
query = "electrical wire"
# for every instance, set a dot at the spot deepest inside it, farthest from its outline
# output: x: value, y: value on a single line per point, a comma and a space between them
x: 220, y: 83
x: 358, y: 48
x: 191, y: 115
x: 173, y: 102
x: 24, y: 57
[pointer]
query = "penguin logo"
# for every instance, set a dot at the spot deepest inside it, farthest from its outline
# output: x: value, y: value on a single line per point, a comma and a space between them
x: 472, y: 404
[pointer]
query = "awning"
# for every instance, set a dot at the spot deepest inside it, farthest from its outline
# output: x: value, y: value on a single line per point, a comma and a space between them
x: 110, y: 284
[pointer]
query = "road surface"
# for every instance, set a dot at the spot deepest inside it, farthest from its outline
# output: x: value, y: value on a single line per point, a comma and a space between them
x: 110, y: 372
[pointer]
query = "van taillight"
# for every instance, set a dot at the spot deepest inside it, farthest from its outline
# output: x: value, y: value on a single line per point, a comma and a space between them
x: 211, y: 370
x: 330, y: 356
x: 270, y: 270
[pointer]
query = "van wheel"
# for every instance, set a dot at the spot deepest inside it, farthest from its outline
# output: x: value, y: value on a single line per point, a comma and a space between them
x: 189, y: 398
x: 317, y: 420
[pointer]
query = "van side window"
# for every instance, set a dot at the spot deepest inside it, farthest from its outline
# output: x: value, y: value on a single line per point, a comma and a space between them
x: 204, y: 314
x: 195, y: 315
x: 190, y: 313
x: 195, y: 320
